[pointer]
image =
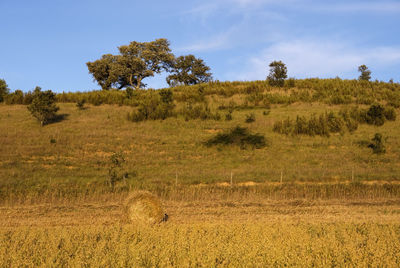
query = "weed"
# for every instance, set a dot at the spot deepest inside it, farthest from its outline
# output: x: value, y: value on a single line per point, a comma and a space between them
x: 250, y: 118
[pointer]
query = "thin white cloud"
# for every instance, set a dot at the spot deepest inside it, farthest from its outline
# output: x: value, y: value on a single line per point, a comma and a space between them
x: 220, y: 41
x: 374, y: 7
x: 313, y: 58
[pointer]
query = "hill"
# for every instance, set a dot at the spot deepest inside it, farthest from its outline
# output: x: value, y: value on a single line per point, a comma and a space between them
x: 71, y: 157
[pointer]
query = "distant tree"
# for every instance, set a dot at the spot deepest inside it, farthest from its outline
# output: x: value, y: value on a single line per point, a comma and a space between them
x: 43, y: 106
x: 365, y: 73
x: 17, y: 97
x: 4, y: 90
x: 277, y: 73
x: 189, y: 70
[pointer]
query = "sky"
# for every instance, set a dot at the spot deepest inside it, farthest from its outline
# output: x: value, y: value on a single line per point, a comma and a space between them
x: 47, y: 43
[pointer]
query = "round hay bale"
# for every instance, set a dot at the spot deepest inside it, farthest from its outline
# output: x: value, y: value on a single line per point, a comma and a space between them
x: 142, y: 207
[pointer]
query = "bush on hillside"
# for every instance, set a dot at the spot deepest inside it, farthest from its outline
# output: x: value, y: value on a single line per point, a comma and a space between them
x: 322, y: 125
x: 250, y: 118
x: 238, y: 136
x: 80, y: 104
x: 228, y: 116
x: 375, y: 115
x: 116, y: 170
x: 43, y: 106
x: 154, y: 107
x: 377, y: 144
x: 198, y: 111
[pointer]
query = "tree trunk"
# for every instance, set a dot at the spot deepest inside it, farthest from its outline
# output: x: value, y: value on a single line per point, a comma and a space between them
x: 139, y: 81
x: 130, y: 79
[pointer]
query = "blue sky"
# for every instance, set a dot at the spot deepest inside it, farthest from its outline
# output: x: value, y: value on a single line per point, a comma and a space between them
x: 47, y: 42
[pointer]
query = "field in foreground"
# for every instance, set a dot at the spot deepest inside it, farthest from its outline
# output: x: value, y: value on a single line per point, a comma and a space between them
x: 241, y: 233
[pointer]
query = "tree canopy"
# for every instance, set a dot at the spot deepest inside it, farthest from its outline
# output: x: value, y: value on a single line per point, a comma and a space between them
x: 136, y: 61
x: 4, y: 90
x: 277, y: 73
x: 189, y: 70
x: 365, y: 73
x: 43, y: 106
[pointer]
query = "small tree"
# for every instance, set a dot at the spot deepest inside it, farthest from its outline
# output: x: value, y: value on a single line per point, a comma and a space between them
x: 188, y: 70
x: 4, y: 90
x: 377, y: 145
x: 43, y: 106
x: 277, y: 73
x: 116, y: 170
x: 365, y: 73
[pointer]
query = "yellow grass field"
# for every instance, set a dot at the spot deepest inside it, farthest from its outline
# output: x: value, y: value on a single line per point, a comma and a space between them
x: 218, y: 233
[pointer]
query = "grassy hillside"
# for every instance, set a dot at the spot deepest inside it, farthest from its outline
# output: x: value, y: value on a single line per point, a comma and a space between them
x: 321, y: 198
x: 71, y: 158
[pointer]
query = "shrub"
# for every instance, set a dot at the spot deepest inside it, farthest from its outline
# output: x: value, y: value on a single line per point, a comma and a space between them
x: 250, y: 118
x: 317, y: 126
x: 394, y: 103
x: 375, y: 115
x: 17, y: 97
x: 255, y: 98
x: 153, y: 107
x: 283, y: 126
x: 291, y: 82
x: 228, y: 116
x: 116, y: 171
x: 199, y: 111
x: 350, y: 123
x: 322, y: 125
x: 340, y: 99
x: 43, y: 106
x: 377, y: 145
x: 81, y: 104
x: 129, y: 93
x: 335, y: 123
x: 390, y: 113
x: 238, y: 136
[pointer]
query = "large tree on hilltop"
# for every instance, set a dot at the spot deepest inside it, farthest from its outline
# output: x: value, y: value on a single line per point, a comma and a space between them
x: 136, y: 61
x: 188, y: 70
x: 141, y: 60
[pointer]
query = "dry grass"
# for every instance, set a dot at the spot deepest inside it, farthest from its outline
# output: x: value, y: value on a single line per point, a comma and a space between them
x: 256, y: 233
x: 76, y: 165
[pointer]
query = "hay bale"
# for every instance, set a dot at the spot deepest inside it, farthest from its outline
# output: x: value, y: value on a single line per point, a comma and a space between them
x: 142, y: 207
